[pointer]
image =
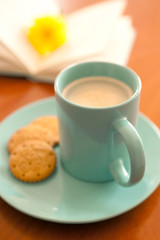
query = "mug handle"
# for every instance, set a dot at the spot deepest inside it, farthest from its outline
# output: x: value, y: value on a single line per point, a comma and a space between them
x: 136, y: 154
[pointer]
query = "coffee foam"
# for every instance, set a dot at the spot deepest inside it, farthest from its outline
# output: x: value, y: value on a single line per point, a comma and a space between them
x: 97, y: 91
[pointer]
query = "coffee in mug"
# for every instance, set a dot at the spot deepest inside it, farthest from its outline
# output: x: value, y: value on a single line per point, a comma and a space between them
x: 98, y: 91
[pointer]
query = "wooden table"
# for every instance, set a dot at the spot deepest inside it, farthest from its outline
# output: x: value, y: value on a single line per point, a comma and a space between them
x: 141, y: 223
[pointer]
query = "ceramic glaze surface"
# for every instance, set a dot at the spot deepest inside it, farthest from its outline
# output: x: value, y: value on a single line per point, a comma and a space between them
x: 64, y: 199
x: 89, y: 136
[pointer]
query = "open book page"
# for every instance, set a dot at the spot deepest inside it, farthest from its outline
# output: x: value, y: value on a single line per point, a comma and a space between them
x: 15, y: 17
x: 9, y: 64
x: 116, y: 51
x: 7, y: 68
x: 89, y: 31
x: 8, y: 57
x: 119, y: 51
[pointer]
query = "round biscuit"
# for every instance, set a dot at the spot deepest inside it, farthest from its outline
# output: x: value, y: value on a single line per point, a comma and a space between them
x: 32, y: 161
x: 49, y: 122
x: 29, y: 133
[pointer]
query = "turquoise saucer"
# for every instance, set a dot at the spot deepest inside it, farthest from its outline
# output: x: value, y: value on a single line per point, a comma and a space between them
x: 62, y: 198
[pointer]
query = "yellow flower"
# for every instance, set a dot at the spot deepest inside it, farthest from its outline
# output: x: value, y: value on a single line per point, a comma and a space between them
x: 47, y: 33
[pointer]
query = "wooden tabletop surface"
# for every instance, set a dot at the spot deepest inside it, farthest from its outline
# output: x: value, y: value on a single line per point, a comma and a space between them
x: 141, y: 223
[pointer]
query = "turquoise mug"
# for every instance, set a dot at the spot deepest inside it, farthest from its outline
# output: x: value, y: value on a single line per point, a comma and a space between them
x: 100, y: 144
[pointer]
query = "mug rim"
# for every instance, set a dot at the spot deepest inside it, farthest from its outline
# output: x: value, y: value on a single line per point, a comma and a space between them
x: 135, y: 95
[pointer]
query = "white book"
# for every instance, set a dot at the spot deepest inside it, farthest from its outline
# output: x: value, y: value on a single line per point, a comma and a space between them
x: 97, y: 32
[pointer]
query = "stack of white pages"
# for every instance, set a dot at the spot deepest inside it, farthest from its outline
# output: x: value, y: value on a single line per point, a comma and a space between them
x: 99, y: 32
